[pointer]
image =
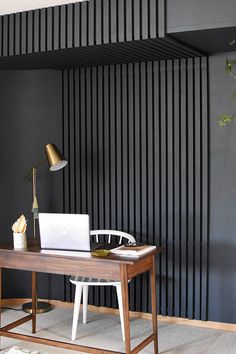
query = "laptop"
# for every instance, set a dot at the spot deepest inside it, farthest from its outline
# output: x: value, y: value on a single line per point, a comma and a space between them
x: 64, y: 231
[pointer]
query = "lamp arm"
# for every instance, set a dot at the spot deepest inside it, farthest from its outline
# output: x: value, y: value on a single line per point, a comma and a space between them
x: 35, y: 167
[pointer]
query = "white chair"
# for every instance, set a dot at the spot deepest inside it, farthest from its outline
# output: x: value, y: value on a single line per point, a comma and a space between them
x: 82, y: 283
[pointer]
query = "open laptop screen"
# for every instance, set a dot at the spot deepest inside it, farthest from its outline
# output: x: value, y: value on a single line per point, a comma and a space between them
x: 64, y: 231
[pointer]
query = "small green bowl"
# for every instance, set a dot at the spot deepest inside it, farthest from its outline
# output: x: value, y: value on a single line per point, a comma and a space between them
x: 100, y: 253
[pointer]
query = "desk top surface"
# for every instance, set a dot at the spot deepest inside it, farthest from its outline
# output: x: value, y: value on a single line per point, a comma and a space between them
x: 76, y: 255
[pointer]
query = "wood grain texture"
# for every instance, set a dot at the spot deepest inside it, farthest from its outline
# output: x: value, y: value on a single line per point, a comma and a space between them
x: 83, y: 260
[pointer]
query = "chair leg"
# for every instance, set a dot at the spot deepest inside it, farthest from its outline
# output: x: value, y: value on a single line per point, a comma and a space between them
x: 78, y: 292
x: 85, y: 303
x: 120, y: 303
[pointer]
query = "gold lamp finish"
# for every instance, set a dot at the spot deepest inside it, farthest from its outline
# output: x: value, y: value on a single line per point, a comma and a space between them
x: 56, y: 162
x: 55, y: 159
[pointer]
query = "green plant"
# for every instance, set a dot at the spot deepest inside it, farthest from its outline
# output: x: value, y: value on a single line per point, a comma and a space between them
x: 228, y: 118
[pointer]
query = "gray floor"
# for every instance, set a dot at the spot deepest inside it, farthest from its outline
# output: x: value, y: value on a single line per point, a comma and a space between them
x: 104, y: 331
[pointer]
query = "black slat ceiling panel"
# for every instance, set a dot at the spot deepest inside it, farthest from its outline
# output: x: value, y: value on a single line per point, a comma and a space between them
x: 95, y: 32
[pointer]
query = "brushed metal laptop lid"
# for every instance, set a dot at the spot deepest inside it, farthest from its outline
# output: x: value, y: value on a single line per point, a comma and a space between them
x: 64, y: 231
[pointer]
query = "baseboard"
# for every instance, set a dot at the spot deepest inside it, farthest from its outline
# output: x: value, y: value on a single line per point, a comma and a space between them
x: 175, y: 320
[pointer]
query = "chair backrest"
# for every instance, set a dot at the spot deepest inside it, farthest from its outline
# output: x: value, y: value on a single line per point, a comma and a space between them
x: 107, y: 235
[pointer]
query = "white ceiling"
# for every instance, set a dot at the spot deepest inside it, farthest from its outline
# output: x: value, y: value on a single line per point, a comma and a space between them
x: 11, y: 6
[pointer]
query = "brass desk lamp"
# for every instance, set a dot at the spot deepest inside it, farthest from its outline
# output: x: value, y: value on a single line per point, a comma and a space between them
x: 56, y: 162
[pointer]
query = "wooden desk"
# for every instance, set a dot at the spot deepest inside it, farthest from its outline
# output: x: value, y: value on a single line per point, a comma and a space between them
x: 80, y: 263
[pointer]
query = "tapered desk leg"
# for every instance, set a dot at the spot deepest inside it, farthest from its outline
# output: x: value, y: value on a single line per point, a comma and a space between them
x: 34, y: 300
x: 125, y: 300
x: 154, y: 305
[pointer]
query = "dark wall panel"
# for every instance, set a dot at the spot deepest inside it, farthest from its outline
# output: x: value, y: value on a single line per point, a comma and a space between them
x: 137, y: 138
x: 31, y: 117
x: 222, y: 285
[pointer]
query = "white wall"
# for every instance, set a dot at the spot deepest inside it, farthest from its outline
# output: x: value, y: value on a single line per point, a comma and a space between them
x: 11, y: 6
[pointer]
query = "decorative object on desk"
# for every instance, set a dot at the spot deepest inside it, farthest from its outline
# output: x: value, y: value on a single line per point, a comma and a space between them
x: 56, y: 162
x: 132, y: 251
x: 100, y: 253
x: 19, y: 233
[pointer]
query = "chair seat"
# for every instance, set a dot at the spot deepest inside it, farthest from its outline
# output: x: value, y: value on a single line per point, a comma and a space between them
x: 93, y: 281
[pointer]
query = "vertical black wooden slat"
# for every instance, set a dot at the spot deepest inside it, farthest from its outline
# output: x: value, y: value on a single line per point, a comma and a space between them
x: 161, y: 23
x: 137, y: 24
x: 129, y: 20
x: 183, y: 192
x: 89, y: 139
x: 137, y: 167
x: 150, y: 164
x: 145, y: 19
x: 131, y: 188
x: 170, y: 190
x: 71, y: 130
x: 153, y: 18
x: 119, y: 147
x: 95, y: 166
x: 77, y: 134
x: 49, y: 28
x: 106, y: 21
x: 177, y: 196
x: 5, y: 35
x: 157, y: 170
x: 124, y: 148
x: 17, y: 33
x: 11, y: 34
x: 101, y: 190
x: 143, y: 171
x: 191, y: 192
x: 163, y: 191
x: 70, y: 25
x: 77, y: 24
x: 62, y: 26
x: 56, y: 27
x: 106, y: 148
x: 89, y: 152
x: 121, y: 21
x: 1, y: 35
x: 66, y: 142
x: 197, y: 201
x: 91, y: 22
x: 98, y: 21
x: 95, y: 146
x: 113, y: 19
x: 205, y: 187
x: 36, y: 31
x: 84, y: 23
x: 100, y: 148
x: 23, y: 32
x: 42, y: 30
x: 30, y: 31
x: 83, y: 137
x: 112, y: 114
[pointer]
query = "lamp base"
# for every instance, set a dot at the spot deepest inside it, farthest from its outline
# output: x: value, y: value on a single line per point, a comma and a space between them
x: 42, y: 307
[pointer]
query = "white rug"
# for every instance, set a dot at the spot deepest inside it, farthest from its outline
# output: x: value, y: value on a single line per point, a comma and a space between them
x: 104, y: 331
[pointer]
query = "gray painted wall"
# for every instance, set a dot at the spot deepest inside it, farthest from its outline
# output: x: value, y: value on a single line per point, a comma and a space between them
x: 189, y: 15
x: 31, y: 116
x: 222, y: 284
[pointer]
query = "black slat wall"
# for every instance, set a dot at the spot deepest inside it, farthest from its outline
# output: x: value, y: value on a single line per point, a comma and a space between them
x: 77, y: 25
x: 136, y: 137
x: 117, y: 23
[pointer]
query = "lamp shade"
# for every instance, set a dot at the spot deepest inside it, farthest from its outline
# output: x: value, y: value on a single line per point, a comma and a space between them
x: 55, y: 159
